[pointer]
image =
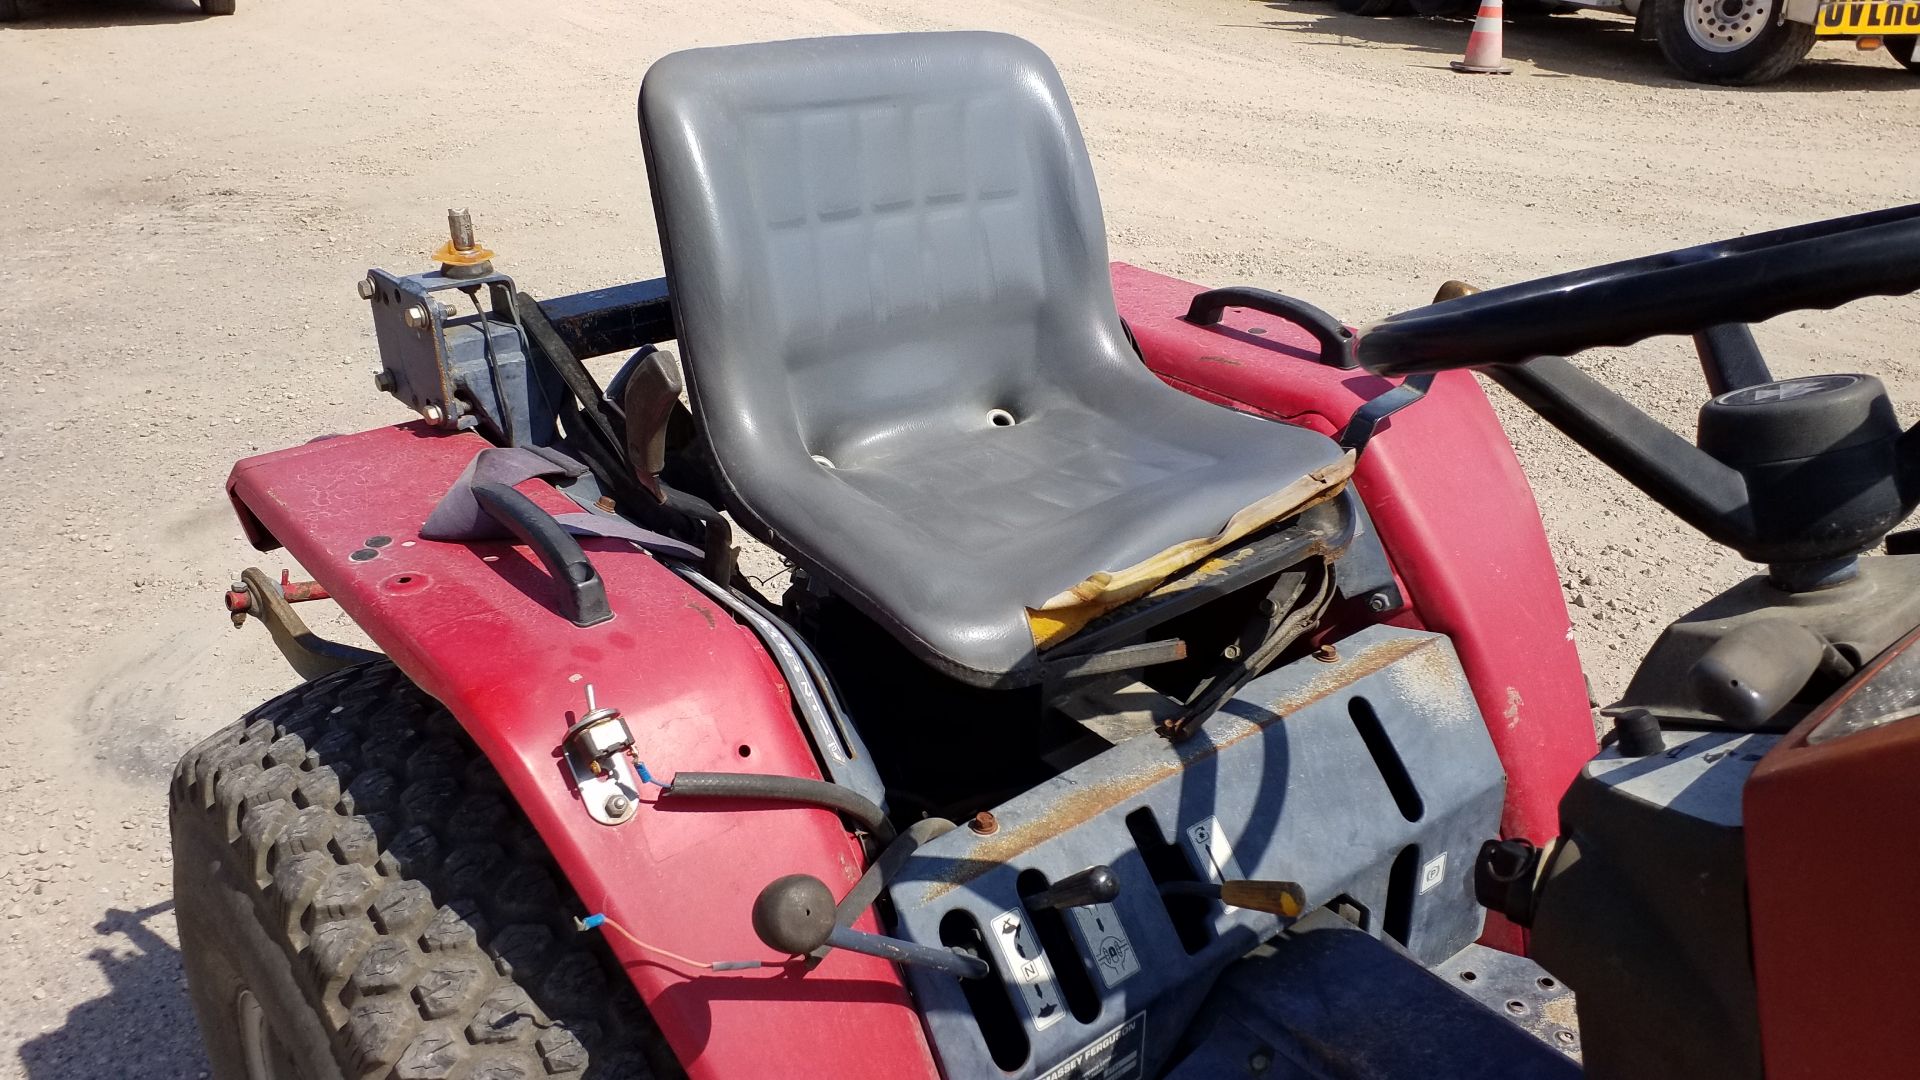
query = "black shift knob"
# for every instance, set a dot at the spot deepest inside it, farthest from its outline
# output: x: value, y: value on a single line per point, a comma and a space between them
x: 794, y: 914
x: 1094, y: 885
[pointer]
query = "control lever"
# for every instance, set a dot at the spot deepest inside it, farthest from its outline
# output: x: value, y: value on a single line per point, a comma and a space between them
x: 1094, y: 885
x: 1283, y: 898
x: 794, y: 915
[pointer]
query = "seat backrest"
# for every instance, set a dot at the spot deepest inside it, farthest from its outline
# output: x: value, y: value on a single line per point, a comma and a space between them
x: 872, y: 240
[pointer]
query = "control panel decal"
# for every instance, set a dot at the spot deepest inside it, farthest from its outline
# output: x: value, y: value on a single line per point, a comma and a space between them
x: 1107, y: 942
x: 1213, y: 854
x: 1029, y: 974
x: 1120, y: 1054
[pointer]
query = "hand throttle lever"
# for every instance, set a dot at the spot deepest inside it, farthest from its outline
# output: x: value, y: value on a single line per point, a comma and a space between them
x: 1283, y: 898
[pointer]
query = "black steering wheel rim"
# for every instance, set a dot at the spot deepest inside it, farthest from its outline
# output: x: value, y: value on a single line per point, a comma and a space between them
x: 1744, y: 280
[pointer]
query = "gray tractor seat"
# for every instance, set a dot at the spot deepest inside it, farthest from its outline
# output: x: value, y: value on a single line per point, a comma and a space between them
x: 889, y: 272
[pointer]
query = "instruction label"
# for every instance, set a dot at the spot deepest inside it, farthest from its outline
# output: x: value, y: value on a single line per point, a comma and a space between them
x: 1107, y: 942
x: 1212, y: 853
x: 1120, y: 1054
x: 1433, y: 873
x: 1028, y: 971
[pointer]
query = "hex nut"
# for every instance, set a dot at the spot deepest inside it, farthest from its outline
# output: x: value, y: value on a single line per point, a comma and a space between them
x: 365, y: 288
x: 416, y: 317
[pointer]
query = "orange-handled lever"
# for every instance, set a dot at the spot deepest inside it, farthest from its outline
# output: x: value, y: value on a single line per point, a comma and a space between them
x: 1283, y: 898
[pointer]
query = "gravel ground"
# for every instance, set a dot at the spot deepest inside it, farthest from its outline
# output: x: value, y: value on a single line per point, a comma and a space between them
x: 185, y: 203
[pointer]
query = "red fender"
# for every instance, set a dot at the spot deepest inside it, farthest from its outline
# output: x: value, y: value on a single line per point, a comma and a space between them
x: 1453, y: 509
x: 472, y: 624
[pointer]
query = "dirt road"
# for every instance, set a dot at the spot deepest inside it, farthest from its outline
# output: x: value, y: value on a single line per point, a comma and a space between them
x: 185, y: 204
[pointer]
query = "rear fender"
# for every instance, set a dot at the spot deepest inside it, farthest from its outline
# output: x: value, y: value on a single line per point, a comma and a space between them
x: 475, y: 625
x: 1454, y: 512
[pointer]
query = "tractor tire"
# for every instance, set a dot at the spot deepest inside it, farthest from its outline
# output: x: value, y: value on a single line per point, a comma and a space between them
x: 358, y: 896
x: 1729, y: 42
x: 1901, y: 49
x: 217, y: 7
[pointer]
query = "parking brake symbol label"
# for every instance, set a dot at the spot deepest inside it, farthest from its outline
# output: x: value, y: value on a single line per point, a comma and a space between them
x: 1027, y: 968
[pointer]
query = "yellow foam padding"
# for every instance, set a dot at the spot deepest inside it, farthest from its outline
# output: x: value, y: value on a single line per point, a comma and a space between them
x: 1061, y: 617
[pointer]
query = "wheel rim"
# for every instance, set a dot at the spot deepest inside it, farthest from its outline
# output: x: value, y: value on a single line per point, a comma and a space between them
x: 1725, y: 26
x: 260, y: 1050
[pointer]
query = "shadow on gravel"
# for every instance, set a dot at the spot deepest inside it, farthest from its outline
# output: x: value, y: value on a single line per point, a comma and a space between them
x: 1593, y: 46
x: 88, y: 14
x: 142, y: 1029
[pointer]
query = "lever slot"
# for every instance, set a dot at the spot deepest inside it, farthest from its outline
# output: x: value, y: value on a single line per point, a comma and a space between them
x: 1000, y: 1025
x: 1056, y: 940
x: 1165, y: 863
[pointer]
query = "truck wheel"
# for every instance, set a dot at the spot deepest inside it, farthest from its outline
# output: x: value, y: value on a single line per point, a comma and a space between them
x: 358, y: 896
x: 1730, y: 42
x: 1901, y: 49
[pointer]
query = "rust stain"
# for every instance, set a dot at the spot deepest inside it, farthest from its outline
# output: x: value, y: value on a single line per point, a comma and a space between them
x: 1088, y: 801
x: 1368, y: 661
x: 1227, y: 360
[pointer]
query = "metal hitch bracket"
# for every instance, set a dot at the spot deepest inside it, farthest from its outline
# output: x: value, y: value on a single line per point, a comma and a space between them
x: 270, y: 601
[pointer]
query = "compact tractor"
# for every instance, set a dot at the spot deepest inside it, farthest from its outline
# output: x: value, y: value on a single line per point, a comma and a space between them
x: 1169, y: 681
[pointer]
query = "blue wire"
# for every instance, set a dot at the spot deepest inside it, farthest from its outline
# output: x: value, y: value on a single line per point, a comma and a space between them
x: 647, y: 777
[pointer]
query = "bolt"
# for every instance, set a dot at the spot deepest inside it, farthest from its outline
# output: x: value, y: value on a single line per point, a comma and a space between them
x: 446, y: 310
x: 1326, y: 654
x: 432, y: 414
x: 383, y: 381
x: 416, y: 317
x: 617, y: 805
x: 1563, y: 1037
x: 1231, y: 652
x: 1259, y: 1061
x: 460, y: 230
x: 984, y: 823
x: 238, y: 586
x: 1378, y: 602
x: 365, y: 288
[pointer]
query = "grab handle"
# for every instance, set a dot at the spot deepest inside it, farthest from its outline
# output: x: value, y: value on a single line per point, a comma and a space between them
x: 1338, y: 347
x: 583, y: 596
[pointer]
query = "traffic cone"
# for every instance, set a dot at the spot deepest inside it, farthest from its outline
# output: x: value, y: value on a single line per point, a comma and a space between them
x: 1483, y: 45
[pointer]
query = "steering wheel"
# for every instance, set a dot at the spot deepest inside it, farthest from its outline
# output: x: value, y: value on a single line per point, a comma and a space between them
x: 1801, y: 474
x: 1744, y: 280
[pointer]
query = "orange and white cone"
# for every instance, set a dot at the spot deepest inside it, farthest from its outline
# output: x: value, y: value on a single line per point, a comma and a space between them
x: 1483, y: 45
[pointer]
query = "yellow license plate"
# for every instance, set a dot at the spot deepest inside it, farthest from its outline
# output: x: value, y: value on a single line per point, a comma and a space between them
x: 1868, y: 18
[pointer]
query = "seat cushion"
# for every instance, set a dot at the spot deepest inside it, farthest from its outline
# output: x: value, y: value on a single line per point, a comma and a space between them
x: 889, y: 272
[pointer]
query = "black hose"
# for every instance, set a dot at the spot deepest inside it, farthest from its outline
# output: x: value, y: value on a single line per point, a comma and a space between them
x: 792, y: 789
x: 867, y: 889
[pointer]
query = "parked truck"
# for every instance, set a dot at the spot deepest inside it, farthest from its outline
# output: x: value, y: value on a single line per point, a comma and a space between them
x: 1731, y: 42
